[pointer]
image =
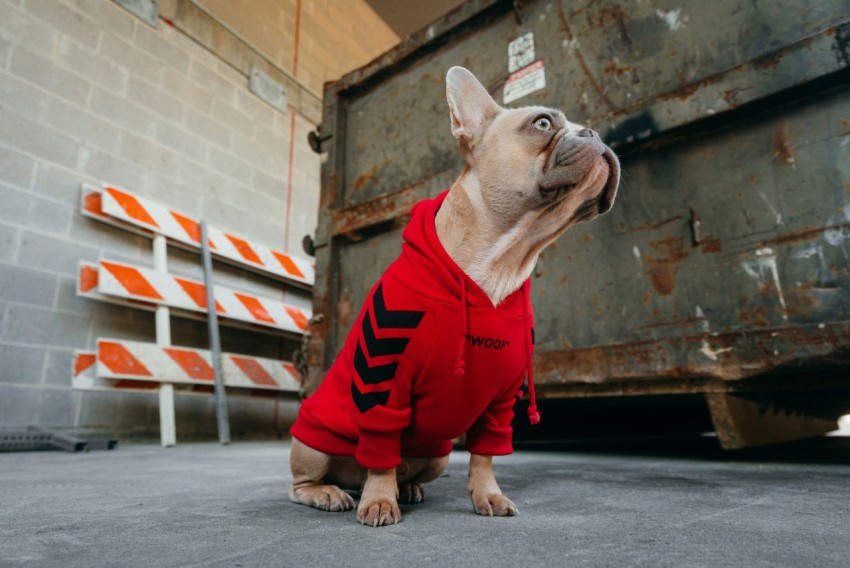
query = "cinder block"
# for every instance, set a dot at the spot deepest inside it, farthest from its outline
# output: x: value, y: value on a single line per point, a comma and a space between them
x: 68, y: 22
x: 56, y: 407
x: 250, y: 104
x: 232, y: 119
x: 96, y: 68
x: 110, y: 169
x: 8, y: 242
x: 21, y: 364
x: 112, y: 241
x: 173, y: 194
x: 274, y: 142
x: 207, y: 128
x: 17, y: 403
x: 52, y: 254
x: 26, y: 286
x: 47, y: 75
x: 212, y: 82
x: 58, y: 183
x: 5, y: 50
x: 138, y: 63
x: 180, y: 141
x: 246, y: 148
x: 113, y: 412
x: 154, y: 99
x: 122, y: 112
x: 109, y: 15
x: 15, y: 168
x: 157, y: 44
x: 33, y: 138
x: 82, y: 126
x: 148, y: 155
x: 16, y: 205
x: 22, y: 29
x: 187, y: 91
x: 229, y: 165
x: 268, y: 184
x: 45, y: 327
x: 59, y: 368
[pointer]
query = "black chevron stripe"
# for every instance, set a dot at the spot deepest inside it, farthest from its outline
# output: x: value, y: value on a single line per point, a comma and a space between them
x: 398, y: 319
x: 372, y: 375
x: 367, y: 400
x: 378, y: 347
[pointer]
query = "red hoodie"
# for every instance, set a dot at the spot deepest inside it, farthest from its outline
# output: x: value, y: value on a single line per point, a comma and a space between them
x: 428, y: 359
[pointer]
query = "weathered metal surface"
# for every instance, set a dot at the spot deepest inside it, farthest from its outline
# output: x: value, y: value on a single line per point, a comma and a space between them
x: 725, y: 257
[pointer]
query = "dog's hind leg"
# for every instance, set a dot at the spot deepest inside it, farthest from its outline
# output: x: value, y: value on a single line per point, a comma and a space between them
x: 309, y: 468
x: 420, y: 471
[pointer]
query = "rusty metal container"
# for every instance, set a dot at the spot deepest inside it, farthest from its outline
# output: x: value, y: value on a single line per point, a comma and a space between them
x: 722, y: 269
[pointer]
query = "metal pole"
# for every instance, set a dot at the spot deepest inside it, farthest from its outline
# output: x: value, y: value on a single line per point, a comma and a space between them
x: 215, y: 342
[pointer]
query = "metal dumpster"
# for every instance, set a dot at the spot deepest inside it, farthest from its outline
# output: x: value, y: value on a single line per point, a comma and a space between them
x: 722, y: 269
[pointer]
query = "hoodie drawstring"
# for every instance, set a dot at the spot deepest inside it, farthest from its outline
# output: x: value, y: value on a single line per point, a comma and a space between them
x: 533, y: 413
x: 461, y: 363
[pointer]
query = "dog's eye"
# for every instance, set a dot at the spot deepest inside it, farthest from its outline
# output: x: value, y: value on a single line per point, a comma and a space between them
x: 542, y: 123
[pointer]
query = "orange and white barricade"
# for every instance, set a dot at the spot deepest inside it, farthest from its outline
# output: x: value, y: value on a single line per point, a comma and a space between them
x: 133, y: 365
x: 144, y: 287
x: 122, y: 208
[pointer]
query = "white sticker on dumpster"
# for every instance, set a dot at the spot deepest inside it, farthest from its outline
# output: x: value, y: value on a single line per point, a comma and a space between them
x: 527, y: 80
x: 521, y: 52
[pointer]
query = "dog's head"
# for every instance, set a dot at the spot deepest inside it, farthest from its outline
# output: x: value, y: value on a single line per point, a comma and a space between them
x: 531, y: 159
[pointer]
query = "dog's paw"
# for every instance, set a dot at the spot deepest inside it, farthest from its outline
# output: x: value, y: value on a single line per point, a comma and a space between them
x: 378, y: 513
x: 495, y: 505
x: 411, y: 493
x: 324, y: 497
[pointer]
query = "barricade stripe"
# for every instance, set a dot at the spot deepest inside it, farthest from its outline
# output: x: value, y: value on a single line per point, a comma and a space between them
x: 287, y: 264
x: 83, y: 362
x: 290, y: 368
x: 253, y: 370
x: 191, y: 362
x: 88, y: 278
x: 132, y: 207
x: 255, y: 307
x: 198, y: 293
x: 244, y: 249
x: 93, y: 203
x: 118, y: 359
x: 192, y: 227
x: 132, y: 280
x: 298, y: 317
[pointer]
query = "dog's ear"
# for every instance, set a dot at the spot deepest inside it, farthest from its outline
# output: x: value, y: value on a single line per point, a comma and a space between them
x: 470, y: 105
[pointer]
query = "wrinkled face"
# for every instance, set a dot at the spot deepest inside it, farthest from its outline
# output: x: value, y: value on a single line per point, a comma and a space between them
x: 533, y: 158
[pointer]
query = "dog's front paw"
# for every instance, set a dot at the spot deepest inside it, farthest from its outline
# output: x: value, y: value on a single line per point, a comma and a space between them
x: 378, y: 512
x: 494, y: 505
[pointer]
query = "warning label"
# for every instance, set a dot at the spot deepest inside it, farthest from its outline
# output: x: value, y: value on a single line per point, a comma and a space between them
x: 527, y: 80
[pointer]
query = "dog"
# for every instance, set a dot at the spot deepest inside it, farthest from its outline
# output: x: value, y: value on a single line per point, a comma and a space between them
x: 443, y: 343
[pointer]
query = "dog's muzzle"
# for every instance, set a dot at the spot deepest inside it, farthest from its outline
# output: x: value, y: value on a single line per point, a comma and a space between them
x: 572, y: 161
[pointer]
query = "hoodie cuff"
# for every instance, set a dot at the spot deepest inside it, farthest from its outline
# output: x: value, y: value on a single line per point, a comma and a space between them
x: 491, y: 441
x: 378, y: 450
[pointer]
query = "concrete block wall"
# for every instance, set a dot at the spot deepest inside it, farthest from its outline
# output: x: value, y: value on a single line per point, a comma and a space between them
x: 90, y: 93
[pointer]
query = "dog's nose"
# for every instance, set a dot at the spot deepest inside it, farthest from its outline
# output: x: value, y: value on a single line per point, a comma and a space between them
x: 587, y: 133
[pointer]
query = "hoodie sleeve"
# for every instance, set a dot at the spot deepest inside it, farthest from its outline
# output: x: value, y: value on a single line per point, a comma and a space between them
x: 491, y: 434
x: 382, y: 380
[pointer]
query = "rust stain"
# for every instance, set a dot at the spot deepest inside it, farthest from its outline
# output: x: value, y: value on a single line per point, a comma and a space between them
x: 364, y: 178
x: 657, y: 225
x: 750, y: 353
x: 663, y: 269
x: 800, y: 235
x: 756, y: 317
x: 783, y: 144
x: 711, y: 245
x: 563, y: 280
x: 647, y: 298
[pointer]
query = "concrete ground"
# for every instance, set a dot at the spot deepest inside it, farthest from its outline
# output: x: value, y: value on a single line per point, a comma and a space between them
x: 680, y: 503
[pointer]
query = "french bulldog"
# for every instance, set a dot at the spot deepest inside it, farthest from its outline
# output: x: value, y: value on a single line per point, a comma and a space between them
x: 443, y: 342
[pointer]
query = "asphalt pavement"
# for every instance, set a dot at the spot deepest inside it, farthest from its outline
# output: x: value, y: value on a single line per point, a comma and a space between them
x: 627, y: 503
